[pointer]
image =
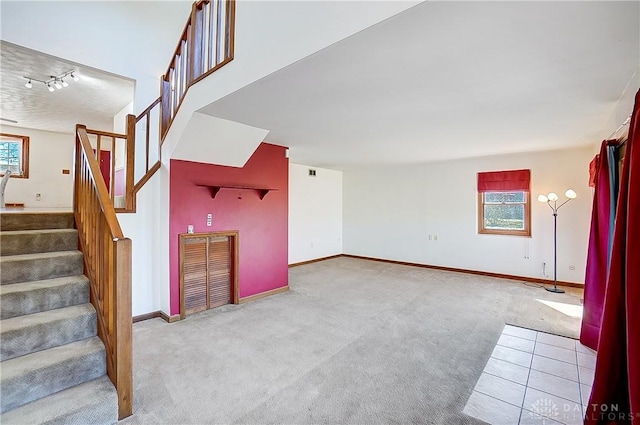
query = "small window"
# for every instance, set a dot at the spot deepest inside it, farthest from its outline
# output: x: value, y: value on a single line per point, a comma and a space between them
x: 504, y: 203
x: 14, y: 155
x: 504, y: 213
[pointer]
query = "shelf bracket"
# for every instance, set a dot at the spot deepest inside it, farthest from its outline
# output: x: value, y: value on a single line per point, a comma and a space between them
x: 263, y: 193
x: 214, y: 191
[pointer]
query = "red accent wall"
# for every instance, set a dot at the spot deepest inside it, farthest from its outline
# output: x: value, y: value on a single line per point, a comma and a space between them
x: 262, y: 224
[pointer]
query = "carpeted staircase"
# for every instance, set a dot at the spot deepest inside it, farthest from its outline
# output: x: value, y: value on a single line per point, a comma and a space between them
x: 53, y: 365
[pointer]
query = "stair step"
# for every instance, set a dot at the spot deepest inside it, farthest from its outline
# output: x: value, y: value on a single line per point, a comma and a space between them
x: 48, y: 265
x: 17, y: 242
x: 94, y: 402
x: 18, y: 299
x: 35, y: 220
x: 35, y: 332
x: 33, y: 376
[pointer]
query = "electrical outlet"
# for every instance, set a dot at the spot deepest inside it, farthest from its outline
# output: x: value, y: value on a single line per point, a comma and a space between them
x: 190, y: 228
x: 209, y: 219
x: 38, y: 197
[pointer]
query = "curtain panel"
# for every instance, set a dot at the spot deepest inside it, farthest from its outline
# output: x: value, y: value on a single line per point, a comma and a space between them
x: 615, y: 397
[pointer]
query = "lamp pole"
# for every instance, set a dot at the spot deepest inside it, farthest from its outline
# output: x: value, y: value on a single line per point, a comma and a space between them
x: 555, y: 254
x: 552, y: 197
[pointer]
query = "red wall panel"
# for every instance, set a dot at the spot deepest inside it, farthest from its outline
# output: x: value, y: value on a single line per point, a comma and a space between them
x: 262, y: 224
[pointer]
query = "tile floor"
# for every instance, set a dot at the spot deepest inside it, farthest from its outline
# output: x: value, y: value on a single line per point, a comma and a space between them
x: 533, y: 378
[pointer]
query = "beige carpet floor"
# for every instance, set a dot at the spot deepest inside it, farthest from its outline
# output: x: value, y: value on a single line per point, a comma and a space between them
x: 352, y: 342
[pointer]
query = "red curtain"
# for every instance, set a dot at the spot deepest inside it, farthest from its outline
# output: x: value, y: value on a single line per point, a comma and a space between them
x: 616, y: 385
x: 598, y: 252
x: 504, y: 181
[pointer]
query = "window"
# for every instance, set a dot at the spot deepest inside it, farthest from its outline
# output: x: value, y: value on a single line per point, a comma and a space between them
x: 14, y: 155
x: 504, y: 203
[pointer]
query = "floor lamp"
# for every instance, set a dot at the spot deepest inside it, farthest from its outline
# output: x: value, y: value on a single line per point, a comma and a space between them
x: 549, y: 199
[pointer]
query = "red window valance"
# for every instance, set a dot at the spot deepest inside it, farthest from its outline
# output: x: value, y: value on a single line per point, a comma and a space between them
x: 504, y: 181
x: 593, y: 170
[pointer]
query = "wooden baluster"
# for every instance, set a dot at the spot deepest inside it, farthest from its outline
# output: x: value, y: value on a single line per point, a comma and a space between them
x: 130, y: 163
x: 195, y: 38
x: 113, y: 169
x: 230, y: 33
x: 218, y: 30
x: 147, y: 124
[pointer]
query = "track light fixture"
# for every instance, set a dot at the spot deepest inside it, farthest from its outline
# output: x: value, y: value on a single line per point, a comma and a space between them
x: 54, y: 82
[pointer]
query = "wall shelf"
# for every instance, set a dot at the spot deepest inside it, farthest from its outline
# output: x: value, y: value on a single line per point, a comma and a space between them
x: 215, y: 188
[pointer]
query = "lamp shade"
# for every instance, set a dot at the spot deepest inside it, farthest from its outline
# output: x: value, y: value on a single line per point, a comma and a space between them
x: 552, y: 196
x: 571, y: 194
x: 542, y: 198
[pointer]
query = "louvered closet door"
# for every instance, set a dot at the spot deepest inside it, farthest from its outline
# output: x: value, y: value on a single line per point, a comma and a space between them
x: 219, y: 271
x: 194, y: 271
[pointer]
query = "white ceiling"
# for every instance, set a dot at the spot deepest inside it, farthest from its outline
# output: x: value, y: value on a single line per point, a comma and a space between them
x: 93, y: 100
x: 449, y: 80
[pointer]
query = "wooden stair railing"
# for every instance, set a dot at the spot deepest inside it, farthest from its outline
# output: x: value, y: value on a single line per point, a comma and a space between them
x: 205, y: 46
x: 107, y: 262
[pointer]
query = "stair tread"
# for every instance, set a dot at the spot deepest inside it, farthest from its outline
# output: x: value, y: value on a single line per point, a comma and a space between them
x: 95, y: 402
x: 42, y: 359
x: 40, y: 284
x: 29, y: 320
x: 39, y: 255
x: 36, y: 220
x: 36, y: 231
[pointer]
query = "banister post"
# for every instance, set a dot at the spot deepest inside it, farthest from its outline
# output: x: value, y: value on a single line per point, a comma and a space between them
x: 195, y: 43
x: 124, y: 327
x: 130, y: 198
x: 165, y: 107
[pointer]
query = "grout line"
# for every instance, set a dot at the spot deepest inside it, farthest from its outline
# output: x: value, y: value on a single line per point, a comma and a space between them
x: 552, y: 358
x: 580, y: 385
x: 526, y: 386
x: 528, y: 352
x: 503, y: 360
x: 496, y: 398
x: 553, y: 374
x: 502, y: 377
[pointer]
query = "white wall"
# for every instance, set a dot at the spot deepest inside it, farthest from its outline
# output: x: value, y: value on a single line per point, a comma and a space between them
x: 49, y: 154
x: 148, y: 230
x: 389, y: 212
x: 315, y: 213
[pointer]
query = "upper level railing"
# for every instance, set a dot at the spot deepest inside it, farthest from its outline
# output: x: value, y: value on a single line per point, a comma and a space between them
x: 107, y: 262
x: 206, y: 45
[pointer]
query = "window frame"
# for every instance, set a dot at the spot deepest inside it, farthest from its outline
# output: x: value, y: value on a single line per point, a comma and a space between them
x: 24, y: 161
x: 526, y: 232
